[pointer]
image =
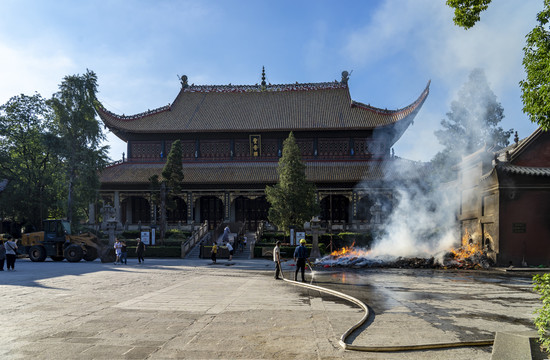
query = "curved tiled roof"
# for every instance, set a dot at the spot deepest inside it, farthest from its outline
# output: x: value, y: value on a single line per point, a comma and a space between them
x: 525, y: 170
x: 321, y: 106
x: 244, y: 172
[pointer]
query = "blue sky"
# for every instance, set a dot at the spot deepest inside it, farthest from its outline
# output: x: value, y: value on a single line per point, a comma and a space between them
x: 392, y: 47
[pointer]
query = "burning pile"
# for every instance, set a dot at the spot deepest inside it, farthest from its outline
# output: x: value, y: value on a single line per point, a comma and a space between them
x: 468, y: 256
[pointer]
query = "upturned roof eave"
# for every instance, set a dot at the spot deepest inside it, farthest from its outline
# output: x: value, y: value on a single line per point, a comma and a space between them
x: 109, y: 119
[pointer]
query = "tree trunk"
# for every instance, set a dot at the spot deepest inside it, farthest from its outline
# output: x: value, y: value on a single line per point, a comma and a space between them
x: 162, y: 212
x: 70, y: 197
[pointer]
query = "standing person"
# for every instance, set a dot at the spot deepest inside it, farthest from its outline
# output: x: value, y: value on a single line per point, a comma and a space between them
x: 214, y: 252
x: 124, y: 253
x: 11, y: 251
x: 2, y: 255
x: 118, y: 250
x: 230, y: 248
x: 226, y: 232
x: 300, y: 256
x: 140, y: 249
x: 277, y: 259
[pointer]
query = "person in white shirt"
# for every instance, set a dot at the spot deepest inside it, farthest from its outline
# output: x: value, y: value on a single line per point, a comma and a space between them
x: 230, y: 248
x: 277, y: 259
x: 11, y: 253
x: 118, y: 250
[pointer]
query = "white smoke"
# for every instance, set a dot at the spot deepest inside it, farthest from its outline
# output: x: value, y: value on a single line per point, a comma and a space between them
x: 423, y: 221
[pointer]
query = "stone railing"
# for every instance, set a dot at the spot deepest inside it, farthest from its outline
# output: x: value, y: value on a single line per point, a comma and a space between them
x: 197, y: 236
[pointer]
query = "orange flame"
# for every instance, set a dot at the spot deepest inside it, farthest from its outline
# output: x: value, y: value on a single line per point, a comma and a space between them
x: 468, y: 249
x: 349, y: 251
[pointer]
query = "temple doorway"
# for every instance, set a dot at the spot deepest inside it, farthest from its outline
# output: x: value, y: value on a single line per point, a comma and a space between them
x: 251, y: 211
x: 211, y: 210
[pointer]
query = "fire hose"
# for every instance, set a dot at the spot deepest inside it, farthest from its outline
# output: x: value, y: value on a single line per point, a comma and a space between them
x: 348, y: 346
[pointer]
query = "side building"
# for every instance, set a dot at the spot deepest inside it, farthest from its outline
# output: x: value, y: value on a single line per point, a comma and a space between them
x: 505, y: 207
x: 231, y: 138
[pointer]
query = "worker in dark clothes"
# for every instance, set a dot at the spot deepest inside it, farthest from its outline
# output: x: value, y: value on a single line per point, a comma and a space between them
x: 300, y: 257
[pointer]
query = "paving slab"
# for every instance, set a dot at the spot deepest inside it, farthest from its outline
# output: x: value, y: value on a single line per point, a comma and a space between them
x: 188, y: 309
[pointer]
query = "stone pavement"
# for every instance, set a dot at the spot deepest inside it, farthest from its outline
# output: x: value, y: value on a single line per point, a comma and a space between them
x: 190, y: 309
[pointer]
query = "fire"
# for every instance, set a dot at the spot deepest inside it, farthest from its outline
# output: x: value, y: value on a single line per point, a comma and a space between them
x: 470, y: 254
x: 467, y: 251
x: 468, y: 248
x: 349, y: 251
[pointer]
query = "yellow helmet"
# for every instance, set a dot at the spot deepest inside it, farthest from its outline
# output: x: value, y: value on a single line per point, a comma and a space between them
x: 302, y: 241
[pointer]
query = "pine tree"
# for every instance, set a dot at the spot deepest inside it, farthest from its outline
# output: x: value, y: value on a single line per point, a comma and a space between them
x: 171, y: 185
x: 472, y: 123
x: 292, y: 199
x: 81, y: 138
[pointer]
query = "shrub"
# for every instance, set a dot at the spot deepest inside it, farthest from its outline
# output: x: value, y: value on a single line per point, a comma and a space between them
x: 174, y: 233
x: 272, y: 237
x: 157, y: 251
x: 130, y: 234
x: 542, y: 321
x: 287, y: 252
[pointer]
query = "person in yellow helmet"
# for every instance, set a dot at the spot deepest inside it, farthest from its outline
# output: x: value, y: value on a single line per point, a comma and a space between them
x: 300, y: 256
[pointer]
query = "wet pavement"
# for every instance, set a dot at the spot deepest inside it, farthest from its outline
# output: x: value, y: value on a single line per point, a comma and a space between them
x: 176, y: 309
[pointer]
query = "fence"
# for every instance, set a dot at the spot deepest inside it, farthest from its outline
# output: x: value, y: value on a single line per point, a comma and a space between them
x: 194, y: 239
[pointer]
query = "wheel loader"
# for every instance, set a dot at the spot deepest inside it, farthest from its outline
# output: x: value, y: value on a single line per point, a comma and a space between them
x: 57, y: 242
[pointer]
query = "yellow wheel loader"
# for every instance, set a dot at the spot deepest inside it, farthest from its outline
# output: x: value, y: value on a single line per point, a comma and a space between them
x: 57, y: 242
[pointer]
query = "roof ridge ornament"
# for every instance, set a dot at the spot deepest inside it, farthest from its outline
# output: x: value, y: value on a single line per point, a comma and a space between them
x: 183, y: 81
x: 263, y: 79
x: 345, y: 77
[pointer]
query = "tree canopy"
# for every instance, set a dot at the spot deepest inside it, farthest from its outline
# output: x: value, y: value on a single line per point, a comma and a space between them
x: 467, y: 12
x: 536, y: 60
x: 28, y: 161
x: 80, y: 138
x: 292, y: 199
x: 472, y: 122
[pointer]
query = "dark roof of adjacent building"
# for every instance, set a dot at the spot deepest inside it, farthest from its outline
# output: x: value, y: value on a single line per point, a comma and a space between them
x: 505, y: 158
x: 525, y: 170
x: 290, y: 107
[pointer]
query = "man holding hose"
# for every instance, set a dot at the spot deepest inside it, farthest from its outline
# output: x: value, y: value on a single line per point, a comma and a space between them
x: 300, y: 257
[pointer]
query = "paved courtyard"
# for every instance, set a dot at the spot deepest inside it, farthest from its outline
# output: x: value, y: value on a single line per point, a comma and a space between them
x: 189, y: 309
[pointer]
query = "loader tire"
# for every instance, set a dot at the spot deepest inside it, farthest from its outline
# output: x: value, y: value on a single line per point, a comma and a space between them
x: 91, y: 254
x: 107, y: 255
x: 37, y: 253
x: 73, y: 253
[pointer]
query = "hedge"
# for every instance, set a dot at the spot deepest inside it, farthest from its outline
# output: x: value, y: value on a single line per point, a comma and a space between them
x: 338, y: 240
x: 287, y: 251
x: 542, y: 321
x: 156, y: 251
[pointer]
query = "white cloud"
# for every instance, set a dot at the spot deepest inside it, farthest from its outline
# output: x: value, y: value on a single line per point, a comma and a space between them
x: 26, y: 71
x: 423, y: 33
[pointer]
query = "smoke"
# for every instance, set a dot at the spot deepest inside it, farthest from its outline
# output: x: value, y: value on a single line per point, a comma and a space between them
x: 422, y: 220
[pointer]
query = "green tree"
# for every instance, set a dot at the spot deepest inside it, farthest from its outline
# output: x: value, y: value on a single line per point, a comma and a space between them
x: 472, y: 122
x: 542, y: 321
x: 467, y: 11
x: 172, y: 182
x: 292, y: 200
x: 27, y: 160
x: 536, y: 60
x: 173, y: 170
x: 80, y: 138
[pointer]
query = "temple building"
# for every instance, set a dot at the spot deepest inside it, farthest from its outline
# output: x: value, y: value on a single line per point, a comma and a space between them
x: 505, y: 201
x: 231, y: 138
